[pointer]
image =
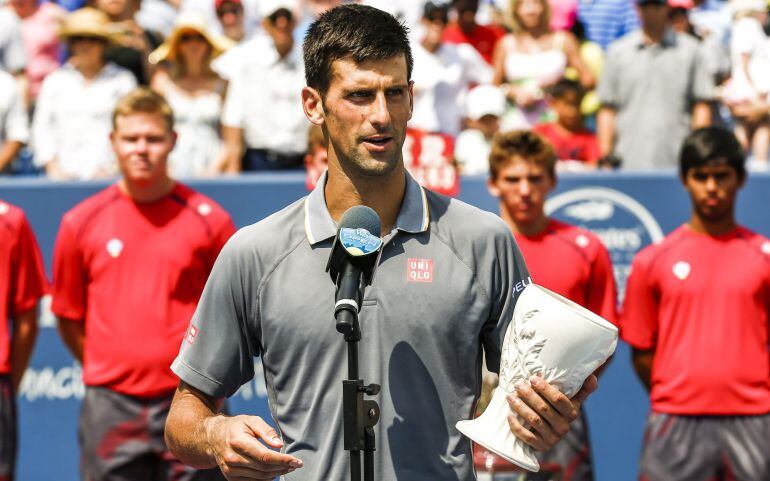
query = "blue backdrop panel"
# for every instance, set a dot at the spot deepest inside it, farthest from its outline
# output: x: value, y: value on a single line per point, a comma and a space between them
x: 627, y: 210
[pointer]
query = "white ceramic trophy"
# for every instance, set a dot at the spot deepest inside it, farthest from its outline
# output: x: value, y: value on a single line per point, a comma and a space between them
x: 550, y: 336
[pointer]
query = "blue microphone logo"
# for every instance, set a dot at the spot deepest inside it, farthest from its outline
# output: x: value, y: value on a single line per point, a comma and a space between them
x: 359, y: 242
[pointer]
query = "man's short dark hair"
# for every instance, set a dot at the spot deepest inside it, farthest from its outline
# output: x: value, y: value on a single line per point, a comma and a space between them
x: 711, y: 146
x: 358, y: 32
x: 564, y: 86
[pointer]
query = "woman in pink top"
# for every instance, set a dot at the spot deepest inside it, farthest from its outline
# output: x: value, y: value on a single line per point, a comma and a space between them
x: 532, y: 58
x: 39, y: 32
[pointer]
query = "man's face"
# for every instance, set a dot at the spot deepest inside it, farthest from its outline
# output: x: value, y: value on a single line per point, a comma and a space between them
x: 365, y: 111
x: 653, y: 15
x: 230, y: 15
x: 142, y: 142
x: 113, y: 8
x: 522, y: 187
x: 280, y: 27
x: 435, y: 26
x: 713, y: 189
x: 567, y: 108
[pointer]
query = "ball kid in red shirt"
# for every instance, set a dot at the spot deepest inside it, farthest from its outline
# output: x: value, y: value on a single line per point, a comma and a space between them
x: 130, y: 263
x: 696, y: 315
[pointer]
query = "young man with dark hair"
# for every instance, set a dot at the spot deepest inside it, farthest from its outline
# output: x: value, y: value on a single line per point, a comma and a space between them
x: 566, y: 259
x: 22, y: 283
x: 696, y: 314
x: 269, y: 295
x: 130, y: 263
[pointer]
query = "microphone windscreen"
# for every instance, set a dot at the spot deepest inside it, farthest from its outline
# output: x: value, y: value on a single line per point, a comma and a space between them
x: 361, y: 217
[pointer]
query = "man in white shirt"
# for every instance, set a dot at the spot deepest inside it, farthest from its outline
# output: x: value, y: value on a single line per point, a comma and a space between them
x: 14, y: 127
x: 264, y: 127
x: 443, y: 74
x: 12, y: 56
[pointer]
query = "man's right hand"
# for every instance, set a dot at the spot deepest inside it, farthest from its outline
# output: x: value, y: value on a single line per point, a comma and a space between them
x: 234, y: 442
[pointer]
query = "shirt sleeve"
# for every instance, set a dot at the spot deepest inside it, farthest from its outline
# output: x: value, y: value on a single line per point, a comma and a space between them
x: 477, y: 69
x: 217, y: 351
x: 232, y: 112
x: 602, y: 294
x: 508, y: 277
x: 17, y: 121
x: 14, y: 58
x: 44, y: 133
x: 27, y: 271
x: 703, y: 81
x: 608, y: 89
x: 69, y: 276
x: 639, y: 318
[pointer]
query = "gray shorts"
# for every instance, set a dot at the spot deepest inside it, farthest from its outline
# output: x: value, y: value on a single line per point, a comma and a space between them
x: 8, y: 439
x: 570, y: 460
x: 121, y: 439
x: 706, y: 448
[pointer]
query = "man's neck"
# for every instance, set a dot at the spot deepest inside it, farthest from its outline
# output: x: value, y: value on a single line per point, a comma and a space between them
x: 653, y: 35
x: 529, y: 229
x: 284, y: 50
x: 712, y: 227
x: 88, y: 70
x: 384, y: 194
x: 431, y: 47
x: 150, y: 192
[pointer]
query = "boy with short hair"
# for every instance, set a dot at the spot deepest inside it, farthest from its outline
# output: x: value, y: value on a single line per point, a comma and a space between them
x: 568, y: 135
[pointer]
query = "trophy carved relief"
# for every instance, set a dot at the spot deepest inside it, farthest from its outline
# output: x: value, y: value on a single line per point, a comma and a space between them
x: 549, y: 336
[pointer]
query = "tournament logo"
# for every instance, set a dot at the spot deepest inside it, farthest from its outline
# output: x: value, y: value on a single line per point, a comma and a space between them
x: 359, y: 242
x: 624, y: 225
x: 114, y: 247
x: 681, y: 270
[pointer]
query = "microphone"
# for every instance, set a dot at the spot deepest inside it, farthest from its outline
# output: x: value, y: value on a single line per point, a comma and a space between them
x: 352, y: 262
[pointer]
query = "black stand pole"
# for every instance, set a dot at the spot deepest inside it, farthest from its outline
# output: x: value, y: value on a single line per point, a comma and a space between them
x: 359, y: 415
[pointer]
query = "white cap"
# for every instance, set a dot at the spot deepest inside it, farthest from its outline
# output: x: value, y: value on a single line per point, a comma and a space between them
x: 268, y: 7
x: 485, y: 100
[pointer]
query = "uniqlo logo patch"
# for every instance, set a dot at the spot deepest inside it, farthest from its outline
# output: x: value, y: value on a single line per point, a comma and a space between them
x: 419, y: 270
x: 192, y: 331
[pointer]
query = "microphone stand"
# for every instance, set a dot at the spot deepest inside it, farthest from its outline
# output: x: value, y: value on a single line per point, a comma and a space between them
x: 359, y: 415
x: 351, y: 274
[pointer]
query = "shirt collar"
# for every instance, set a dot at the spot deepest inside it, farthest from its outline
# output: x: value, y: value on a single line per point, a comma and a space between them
x: 668, y: 40
x: 414, y: 216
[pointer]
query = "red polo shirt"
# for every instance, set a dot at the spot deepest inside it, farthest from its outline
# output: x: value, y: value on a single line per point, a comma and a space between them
x: 22, y: 276
x: 574, y: 263
x: 133, y: 272
x: 483, y: 38
x: 701, y: 302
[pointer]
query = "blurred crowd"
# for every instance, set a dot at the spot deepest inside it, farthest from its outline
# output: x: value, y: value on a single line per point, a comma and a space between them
x: 612, y: 84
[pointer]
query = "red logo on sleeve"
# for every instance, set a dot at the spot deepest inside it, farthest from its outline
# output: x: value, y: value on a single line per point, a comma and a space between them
x: 189, y: 336
x: 419, y: 270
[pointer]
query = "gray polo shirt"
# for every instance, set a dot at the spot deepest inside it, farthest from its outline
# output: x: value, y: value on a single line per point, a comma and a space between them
x: 653, y: 89
x: 446, y: 285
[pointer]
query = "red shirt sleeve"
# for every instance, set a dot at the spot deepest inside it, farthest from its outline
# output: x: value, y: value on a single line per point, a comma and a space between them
x: 69, y: 276
x: 602, y: 292
x: 639, y: 318
x: 27, y: 271
x: 221, y: 237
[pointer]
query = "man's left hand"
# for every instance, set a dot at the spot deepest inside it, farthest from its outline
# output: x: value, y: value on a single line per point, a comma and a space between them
x: 541, y: 414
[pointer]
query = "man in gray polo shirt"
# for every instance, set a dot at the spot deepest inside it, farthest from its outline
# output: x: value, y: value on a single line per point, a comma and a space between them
x: 445, y: 288
x: 654, y: 89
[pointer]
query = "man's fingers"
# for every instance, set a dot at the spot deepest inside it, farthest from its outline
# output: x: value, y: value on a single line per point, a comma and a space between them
x: 525, y: 434
x: 255, y: 452
x: 537, y: 421
x: 545, y: 391
x: 263, y: 431
x: 590, y: 385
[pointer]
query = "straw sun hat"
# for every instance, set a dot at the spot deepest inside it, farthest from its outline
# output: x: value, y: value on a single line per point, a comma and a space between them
x: 188, y: 23
x: 86, y: 22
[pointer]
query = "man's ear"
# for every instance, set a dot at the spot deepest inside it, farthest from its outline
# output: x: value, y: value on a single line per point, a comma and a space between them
x: 492, y: 188
x: 411, y: 98
x: 312, y: 104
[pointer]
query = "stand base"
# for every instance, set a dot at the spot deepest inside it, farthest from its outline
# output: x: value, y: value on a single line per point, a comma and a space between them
x: 492, y: 431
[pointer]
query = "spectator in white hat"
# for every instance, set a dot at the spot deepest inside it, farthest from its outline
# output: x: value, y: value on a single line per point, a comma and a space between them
x: 70, y: 130
x: 485, y: 105
x: 195, y: 93
x: 264, y: 127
